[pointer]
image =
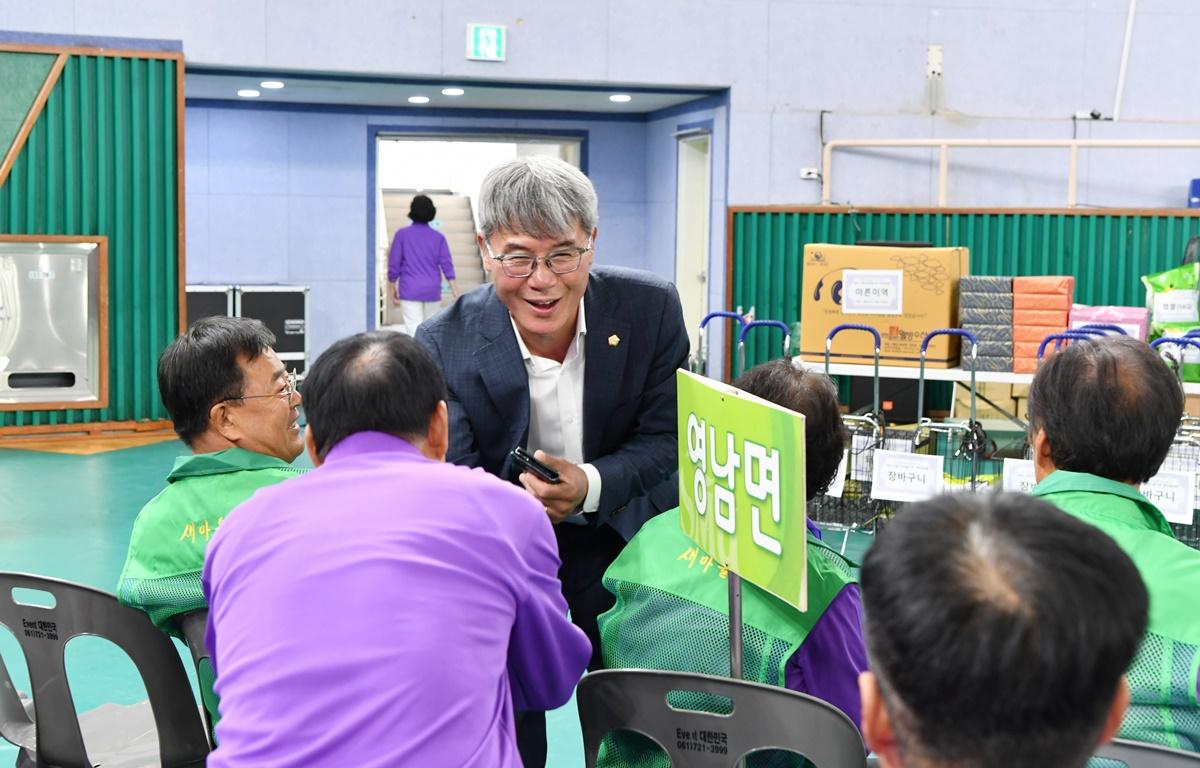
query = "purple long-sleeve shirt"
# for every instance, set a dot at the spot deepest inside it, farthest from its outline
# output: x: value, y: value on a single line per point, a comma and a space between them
x: 352, y: 624
x: 828, y: 662
x: 418, y: 258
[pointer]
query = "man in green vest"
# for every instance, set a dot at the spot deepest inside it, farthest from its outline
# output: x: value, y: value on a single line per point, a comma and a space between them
x: 1102, y: 416
x: 236, y: 407
x: 672, y: 608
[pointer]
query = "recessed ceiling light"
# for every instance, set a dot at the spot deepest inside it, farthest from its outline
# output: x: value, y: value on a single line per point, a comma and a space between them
x: 620, y: 98
x: 418, y: 99
x: 248, y: 93
x: 453, y: 91
x: 272, y: 84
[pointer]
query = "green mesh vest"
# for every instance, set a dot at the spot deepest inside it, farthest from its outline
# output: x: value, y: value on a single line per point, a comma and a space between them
x: 1163, y: 677
x: 672, y: 613
x: 166, y: 548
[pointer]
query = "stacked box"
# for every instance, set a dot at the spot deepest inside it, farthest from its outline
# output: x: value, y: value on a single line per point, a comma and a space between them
x: 1041, y: 306
x: 985, y: 308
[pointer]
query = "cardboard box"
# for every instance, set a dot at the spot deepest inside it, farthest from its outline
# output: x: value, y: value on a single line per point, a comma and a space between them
x: 1020, y: 391
x: 1041, y: 301
x: 1034, y: 332
x: 999, y: 394
x: 985, y: 284
x: 1191, y: 405
x: 1057, y: 318
x: 980, y: 300
x: 1058, y: 285
x: 836, y: 291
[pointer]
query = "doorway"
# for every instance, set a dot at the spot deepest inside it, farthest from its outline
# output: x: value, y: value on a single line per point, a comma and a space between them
x: 693, y: 196
x: 450, y: 170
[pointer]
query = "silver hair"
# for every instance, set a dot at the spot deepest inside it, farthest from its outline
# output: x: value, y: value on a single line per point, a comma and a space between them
x: 539, y: 196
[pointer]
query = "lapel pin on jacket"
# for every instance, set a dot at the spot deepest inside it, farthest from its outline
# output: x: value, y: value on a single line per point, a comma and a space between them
x: 614, y: 340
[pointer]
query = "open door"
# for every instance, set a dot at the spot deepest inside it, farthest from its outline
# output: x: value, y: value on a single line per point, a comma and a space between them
x: 693, y: 199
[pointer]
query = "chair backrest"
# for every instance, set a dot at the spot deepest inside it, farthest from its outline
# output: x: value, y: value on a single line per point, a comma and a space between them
x: 1135, y: 754
x: 43, y: 634
x: 762, y: 717
x: 193, y: 625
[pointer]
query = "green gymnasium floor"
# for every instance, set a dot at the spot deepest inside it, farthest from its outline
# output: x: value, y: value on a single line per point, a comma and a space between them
x: 69, y: 517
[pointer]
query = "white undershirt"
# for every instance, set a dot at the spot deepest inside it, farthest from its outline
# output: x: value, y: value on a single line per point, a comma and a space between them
x: 556, y: 408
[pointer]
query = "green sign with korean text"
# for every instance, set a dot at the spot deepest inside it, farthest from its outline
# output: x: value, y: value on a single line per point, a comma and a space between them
x: 741, y: 484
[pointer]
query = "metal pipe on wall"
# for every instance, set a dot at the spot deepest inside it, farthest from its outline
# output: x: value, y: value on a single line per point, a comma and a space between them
x: 1116, y: 112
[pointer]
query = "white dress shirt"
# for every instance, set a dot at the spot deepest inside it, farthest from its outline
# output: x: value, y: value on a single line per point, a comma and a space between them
x: 556, y: 408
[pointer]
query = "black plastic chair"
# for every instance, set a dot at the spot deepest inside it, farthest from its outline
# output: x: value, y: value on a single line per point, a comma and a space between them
x: 192, y: 626
x: 52, y: 736
x: 1135, y: 754
x: 762, y: 717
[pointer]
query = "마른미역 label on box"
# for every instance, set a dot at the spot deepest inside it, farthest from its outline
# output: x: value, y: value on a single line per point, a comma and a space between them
x: 873, y: 291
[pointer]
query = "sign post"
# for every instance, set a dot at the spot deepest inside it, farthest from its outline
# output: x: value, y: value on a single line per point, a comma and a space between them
x: 742, y: 491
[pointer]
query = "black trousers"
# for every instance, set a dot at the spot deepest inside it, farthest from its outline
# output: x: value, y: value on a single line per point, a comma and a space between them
x: 586, y: 552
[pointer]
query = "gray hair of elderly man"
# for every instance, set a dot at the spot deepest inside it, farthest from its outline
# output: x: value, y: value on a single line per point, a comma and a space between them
x: 537, y: 195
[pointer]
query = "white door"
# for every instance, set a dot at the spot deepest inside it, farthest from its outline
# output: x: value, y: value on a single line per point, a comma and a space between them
x: 693, y: 198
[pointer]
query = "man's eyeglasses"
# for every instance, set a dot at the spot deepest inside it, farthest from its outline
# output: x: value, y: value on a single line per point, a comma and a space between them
x: 520, y: 264
x: 288, y: 391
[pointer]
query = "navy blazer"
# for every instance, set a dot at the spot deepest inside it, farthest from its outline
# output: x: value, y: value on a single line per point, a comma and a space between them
x: 629, y: 412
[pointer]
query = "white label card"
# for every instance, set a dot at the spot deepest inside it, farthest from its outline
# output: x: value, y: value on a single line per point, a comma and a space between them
x: 906, y: 476
x: 872, y: 291
x: 839, y: 480
x: 1175, y: 307
x: 1018, y: 475
x: 1174, y: 493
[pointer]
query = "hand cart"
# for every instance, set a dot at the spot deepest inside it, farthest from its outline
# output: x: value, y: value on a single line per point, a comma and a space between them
x: 854, y: 508
x: 964, y: 445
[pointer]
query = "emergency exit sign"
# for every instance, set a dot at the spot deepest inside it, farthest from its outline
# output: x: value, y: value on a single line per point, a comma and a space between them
x: 487, y: 42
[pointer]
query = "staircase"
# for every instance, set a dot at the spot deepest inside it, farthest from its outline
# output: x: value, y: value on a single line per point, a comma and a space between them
x: 455, y: 221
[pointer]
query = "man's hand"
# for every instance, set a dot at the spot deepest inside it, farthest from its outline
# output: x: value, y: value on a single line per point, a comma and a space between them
x: 561, y: 498
x: 396, y: 292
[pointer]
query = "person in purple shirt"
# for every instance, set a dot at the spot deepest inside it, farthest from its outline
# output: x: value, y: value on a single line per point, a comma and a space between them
x: 418, y: 258
x: 386, y: 608
x: 671, y: 607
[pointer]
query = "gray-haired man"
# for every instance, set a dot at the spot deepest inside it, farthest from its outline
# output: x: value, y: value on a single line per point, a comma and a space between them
x: 572, y: 361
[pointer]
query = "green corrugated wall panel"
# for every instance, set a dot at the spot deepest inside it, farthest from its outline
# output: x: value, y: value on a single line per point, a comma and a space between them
x: 1107, y: 253
x: 21, y: 77
x: 101, y: 160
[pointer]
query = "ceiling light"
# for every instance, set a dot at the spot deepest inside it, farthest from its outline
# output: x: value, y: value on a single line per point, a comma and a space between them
x: 248, y: 93
x: 418, y: 99
x: 453, y: 91
x: 272, y: 84
x: 620, y: 98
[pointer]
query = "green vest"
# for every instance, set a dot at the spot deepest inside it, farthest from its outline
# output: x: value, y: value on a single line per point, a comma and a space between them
x: 1164, y: 709
x: 166, y: 548
x: 672, y: 613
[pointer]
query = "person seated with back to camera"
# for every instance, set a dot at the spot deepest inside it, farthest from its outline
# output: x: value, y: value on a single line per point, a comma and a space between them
x: 236, y: 407
x: 1102, y: 416
x: 998, y: 631
x: 819, y: 652
x: 387, y: 608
